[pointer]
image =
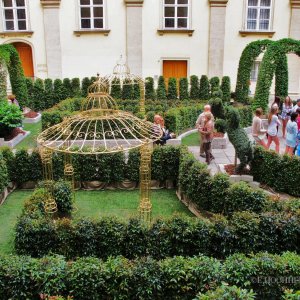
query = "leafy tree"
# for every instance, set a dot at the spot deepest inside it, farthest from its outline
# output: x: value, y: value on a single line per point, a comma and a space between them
x: 183, y: 89
x: 204, y: 88
x: 149, y: 88
x: 161, y: 89
x: 194, y: 91
x: 172, y: 88
x: 226, y: 88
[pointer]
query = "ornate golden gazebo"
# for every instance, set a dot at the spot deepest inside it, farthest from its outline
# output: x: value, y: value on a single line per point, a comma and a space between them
x: 100, y: 128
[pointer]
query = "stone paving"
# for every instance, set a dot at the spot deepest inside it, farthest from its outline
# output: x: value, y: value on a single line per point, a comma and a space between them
x: 226, y: 156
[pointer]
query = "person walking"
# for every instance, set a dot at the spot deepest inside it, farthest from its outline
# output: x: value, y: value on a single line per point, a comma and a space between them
x: 286, y: 111
x: 200, y: 124
x: 272, y: 131
x: 207, y: 135
x: 291, y: 134
x: 258, y: 132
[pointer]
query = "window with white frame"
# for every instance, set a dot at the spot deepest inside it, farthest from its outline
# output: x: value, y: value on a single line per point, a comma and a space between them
x: 258, y: 15
x: 14, y: 15
x: 176, y: 14
x: 254, y: 70
x: 92, y: 14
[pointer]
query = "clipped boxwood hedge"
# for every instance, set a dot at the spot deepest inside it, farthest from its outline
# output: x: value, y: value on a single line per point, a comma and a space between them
x: 173, y: 278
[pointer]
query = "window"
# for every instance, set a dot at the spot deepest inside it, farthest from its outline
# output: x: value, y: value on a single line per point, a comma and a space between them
x: 176, y: 14
x: 14, y: 15
x: 258, y: 15
x: 92, y: 14
x: 254, y: 71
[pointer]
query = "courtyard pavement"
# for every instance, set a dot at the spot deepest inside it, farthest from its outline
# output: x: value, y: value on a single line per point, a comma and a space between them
x: 226, y: 156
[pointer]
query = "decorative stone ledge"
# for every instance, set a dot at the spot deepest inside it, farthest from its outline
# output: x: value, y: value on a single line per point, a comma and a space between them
x: 33, y: 120
x: 189, y: 32
x: 4, y: 34
x: 105, y: 32
x: 244, y: 33
x: 12, y: 143
x: 50, y: 3
x: 134, y: 3
x: 295, y: 4
x: 218, y: 3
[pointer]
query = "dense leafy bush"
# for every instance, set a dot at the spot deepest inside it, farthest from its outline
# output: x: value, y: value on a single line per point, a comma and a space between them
x: 221, y: 125
x: 149, y: 88
x: 9, y: 161
x: 84, y: 86
x: 172, y: 88
x: 63, y: 196
x: 214, y: 84
x: 204, y: 88
x: 183, y: 89
x: 161, y: 91
x: 10, y: 118
x: 29, y: 84
x: 48, y: 96
x: 127, y: 89
x: 194, y: 91
x: 217, y: 107
x: 226, y: 88
x: 75, y: 87
x: 3, y: 174
x: 37, y: 101
x: 67, y: 87
x: 59, y: 91
x: 246, y: 115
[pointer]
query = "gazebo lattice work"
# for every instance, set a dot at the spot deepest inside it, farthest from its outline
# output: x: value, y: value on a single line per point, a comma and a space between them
x: 101, y: 128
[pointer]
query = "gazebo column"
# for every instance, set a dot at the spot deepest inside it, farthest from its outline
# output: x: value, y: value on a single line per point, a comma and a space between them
x: 294, y: 60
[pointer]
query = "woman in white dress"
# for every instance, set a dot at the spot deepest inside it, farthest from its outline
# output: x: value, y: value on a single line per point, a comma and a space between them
x: 273, y: 123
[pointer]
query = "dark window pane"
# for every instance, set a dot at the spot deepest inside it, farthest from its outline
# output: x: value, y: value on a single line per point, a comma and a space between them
x: 182, y: 23
x: 9, y: 14
x: 7, y: 3
x: 252, y: 13
x: 22, y: 25
x: 182, y: 12
x: 20, y: 2
x: 98, y: 12
x: 85, y: 2
x: 21, y: 13
x: 98, y: 2
x: 264, y: 14
x: 265, y: 3
x: 9, y: 25
x: 251, y: 24
x: 169, y: 11
x: 98, y: 23
x: 169, y: 1
x: 85, y: 23
x: 264, y: 25
x: 252, y: 2
x: 169, y: 23
x: 85, y: 12
x: 182, y: 1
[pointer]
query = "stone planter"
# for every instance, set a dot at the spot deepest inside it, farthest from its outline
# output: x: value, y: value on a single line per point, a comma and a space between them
x: 127, y: 185
x: 220, y: 142
x: 32, y: 120
x: 28, y: 185
x: 169, y: 184
x: 94, y: 185
x: 16, y: 140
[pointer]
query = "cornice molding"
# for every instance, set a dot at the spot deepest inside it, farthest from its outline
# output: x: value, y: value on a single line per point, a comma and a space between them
x: 50, y: 3
x: 218, y: 3
x: 134, y: 3
x: 295, y: 4
x: 5, y: 34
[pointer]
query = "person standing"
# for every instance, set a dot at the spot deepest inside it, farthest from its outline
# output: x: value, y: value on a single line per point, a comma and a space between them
x: 291, y: 134
x: 272, y: 131
x: 286, y: 111
x: 207, y: 135
x: 258, y: 132
x: 200, y: 124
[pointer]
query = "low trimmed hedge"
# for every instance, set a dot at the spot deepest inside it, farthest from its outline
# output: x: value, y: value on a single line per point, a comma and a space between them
x: 172, y: 278
x: 244, y: 232
x: 277, y: 171
x: 3, y: 174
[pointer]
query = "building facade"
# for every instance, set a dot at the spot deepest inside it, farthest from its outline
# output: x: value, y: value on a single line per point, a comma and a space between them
x: 174, y: 38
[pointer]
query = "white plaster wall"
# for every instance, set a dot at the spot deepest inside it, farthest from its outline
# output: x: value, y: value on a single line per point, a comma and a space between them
x: 37, y: 40
x: 175, y: 46
x: 91, y: 53
x: 235, y: 43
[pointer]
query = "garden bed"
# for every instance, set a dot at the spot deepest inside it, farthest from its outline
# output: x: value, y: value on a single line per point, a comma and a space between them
x: 18, y: 136
x: 32, y: 117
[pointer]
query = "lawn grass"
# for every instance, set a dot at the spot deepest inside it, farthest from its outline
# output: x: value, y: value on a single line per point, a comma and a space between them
x: 30, y: 141
x: 191, y: 139
x: 93, y: 204
x: 9, y: 212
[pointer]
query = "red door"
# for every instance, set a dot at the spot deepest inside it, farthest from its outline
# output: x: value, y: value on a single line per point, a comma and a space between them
x: 25, y: 53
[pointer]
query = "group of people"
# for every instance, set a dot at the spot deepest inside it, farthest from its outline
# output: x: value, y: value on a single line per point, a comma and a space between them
x: 286, y: 116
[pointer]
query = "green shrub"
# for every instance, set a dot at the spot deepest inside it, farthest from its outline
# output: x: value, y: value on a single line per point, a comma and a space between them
x: 214, y: 83
x: 246, y: 115
x: 132, y: 171
x: 3, y: 174
x: 150, y: 116
x: 10, y: 118
x: 183, y: 89
x: 9, y: 158
x: 217, y: 107
x: 75, y: 87
x: 149, y: 88
x: 67, y: 88
x: 85, y: 83
x: 136, y: 92
x: 204, y: 88
x: 48, y: 95
x: 116, y: 91
x: 172, y: 89
x: 63, y: 196
x: 59, y: 92
x: 226, y: 88
x: 194, y: 91
x: 291, y: 295
x: 29, y: 85
x: 38, y: 95
x: 161, y: 91
x: 127, y: 89
x: 221, y: 125
x: 226, y: 292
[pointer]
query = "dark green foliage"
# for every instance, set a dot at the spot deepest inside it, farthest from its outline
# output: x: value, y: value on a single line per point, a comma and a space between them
x: 172, y: 89
x: 37, y: 100
x: 84, y: 86
x: 226, y: 88
x: 10, y: 162
x: 161, y: 91
x: 149, y: 89
x: 48, y: 95
x: 266, y: 166
x: 183, y: 89
x: 75, y: 87
x: 59, y: 92
x: 4, y: 176
x: 282, y: 76
x: 127, y: 89
x: 204, y: 88
x: 291, y: 295
x: 214, y: 83
x: 29, y: 84
x: 194, y: 91
x: 67, y: 88
x: 136, y: 92
x: 132, y: 170
x: 250, y: 53
x: 246, y: 115
x: 10, y: 118
x: 63, y: 196
x: 221, y: 125
x: 116, y: 91
x: 217, y: 107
